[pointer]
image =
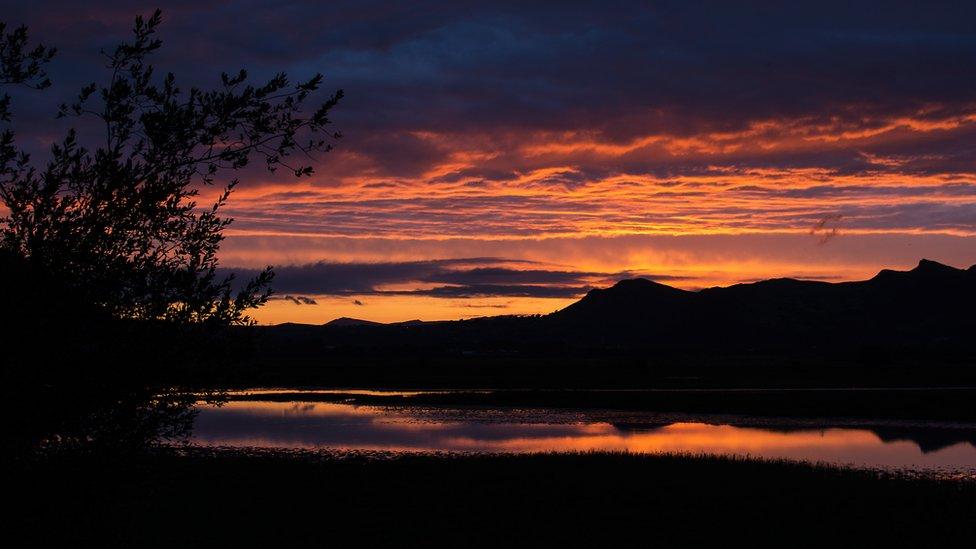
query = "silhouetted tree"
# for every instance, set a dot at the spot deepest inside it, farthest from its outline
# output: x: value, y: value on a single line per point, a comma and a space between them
x: 21, y: 64
x: 119, y: 222
x: 108, y: 262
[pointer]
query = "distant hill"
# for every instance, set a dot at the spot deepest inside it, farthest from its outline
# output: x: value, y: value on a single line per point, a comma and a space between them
x: 632, y: 300
x: 346, y: 321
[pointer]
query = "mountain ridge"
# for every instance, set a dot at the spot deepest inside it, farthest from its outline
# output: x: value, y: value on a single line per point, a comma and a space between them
x: 634, y: 291
x: 928, y: 308
x: 912, y: 326
x: 632, y: 294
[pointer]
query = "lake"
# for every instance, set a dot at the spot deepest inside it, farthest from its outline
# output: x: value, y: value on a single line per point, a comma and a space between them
x: 294, y: 423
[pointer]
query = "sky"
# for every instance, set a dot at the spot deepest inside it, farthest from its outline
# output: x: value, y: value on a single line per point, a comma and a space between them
x: 505, y: 157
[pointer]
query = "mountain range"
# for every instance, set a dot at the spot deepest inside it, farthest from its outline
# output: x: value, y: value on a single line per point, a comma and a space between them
x: 930, y: 302
x: 921, y: 317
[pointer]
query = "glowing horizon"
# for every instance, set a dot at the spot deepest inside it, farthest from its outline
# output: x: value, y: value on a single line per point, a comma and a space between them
x: 550, y: 201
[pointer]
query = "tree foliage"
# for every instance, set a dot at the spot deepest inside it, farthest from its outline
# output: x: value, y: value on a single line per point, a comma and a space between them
x: 119, y: 221
x: 21, y: 64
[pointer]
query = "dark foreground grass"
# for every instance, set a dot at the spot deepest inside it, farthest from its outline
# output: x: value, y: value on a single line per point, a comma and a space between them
x: 598, y: 500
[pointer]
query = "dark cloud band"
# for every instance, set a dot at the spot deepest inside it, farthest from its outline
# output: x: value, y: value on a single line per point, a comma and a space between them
x: 445, y: 278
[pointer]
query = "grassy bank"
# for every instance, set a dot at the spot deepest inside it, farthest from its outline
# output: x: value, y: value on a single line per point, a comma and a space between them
x: 590, y: 500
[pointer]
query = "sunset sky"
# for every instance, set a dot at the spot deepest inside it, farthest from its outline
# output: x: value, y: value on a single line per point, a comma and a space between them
x: 502, y: 158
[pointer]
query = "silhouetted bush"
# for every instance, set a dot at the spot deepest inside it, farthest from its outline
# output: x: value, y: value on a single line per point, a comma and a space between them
x: 115, y: 310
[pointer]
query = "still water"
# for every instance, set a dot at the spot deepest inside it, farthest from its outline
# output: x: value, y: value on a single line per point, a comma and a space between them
x: 342, y: 426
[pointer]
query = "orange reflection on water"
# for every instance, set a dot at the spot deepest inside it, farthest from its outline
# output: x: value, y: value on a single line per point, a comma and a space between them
x: 317, y: 425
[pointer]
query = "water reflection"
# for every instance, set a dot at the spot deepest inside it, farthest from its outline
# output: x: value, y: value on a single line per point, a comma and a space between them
x: 321, y: 425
